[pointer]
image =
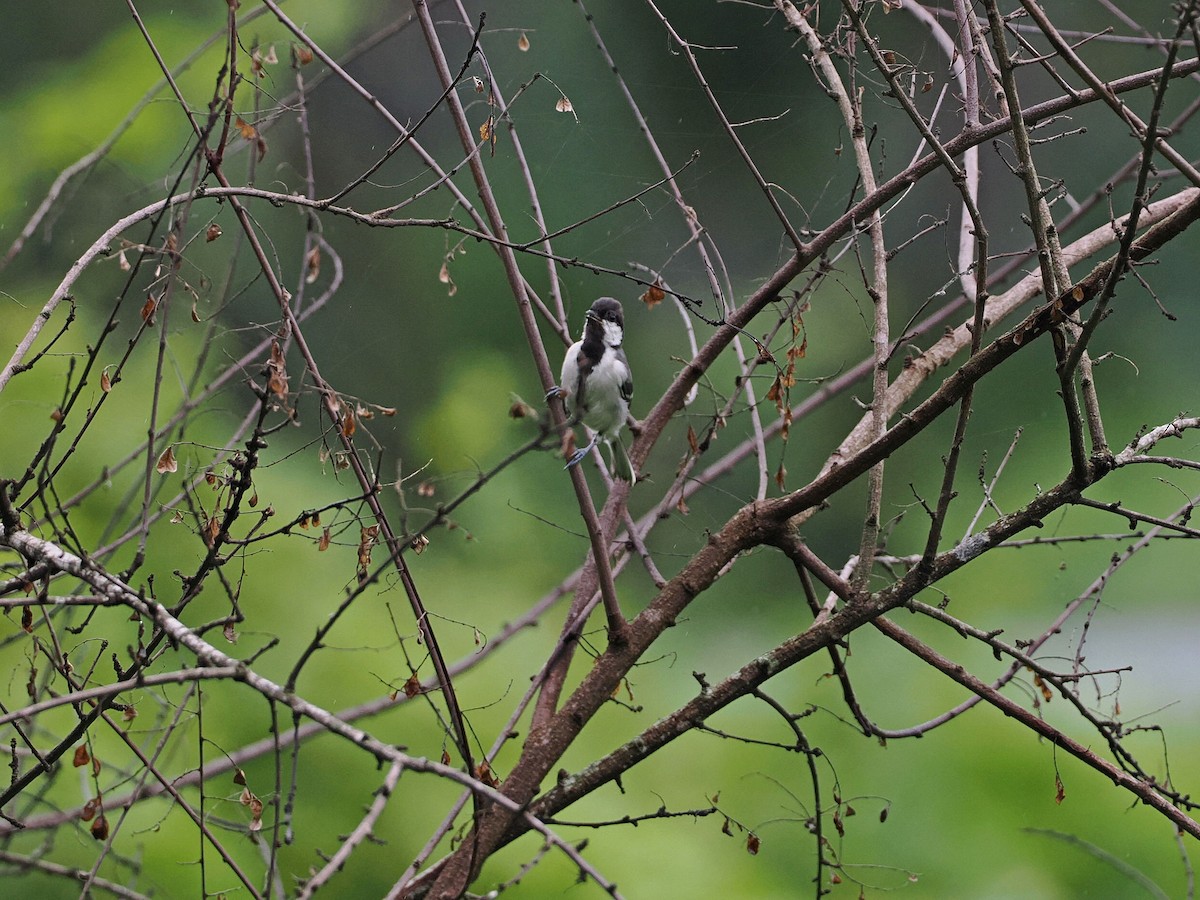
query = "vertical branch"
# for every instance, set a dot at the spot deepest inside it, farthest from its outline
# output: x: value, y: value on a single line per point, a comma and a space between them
x: 1151, y: 137
x: 1054, y: 273
x: 978, y: 250
x: 877, y: 288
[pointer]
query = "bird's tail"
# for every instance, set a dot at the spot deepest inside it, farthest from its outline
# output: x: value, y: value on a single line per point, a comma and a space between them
x: 621, y: 466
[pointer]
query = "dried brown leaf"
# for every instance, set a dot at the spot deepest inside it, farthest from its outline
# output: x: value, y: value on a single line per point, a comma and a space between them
x: 167, y: 462
x: 100, y: 828
x: 412, y: 686
x: 654, y: 295
x: 312, y: 263
x: 444, y: 278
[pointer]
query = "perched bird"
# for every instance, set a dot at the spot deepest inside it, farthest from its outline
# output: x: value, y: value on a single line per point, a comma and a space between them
x: 596, y: 383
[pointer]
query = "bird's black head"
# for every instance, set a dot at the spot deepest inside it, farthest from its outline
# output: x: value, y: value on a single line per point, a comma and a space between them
x: 606, y: 309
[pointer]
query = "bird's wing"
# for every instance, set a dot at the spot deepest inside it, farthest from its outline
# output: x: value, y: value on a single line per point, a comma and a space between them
x: 627, y: 384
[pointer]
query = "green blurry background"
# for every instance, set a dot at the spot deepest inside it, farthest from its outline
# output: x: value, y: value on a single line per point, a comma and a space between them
x: 963, y: 804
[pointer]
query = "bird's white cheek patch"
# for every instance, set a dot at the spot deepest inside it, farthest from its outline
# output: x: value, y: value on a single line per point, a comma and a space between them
x: 613, y: 333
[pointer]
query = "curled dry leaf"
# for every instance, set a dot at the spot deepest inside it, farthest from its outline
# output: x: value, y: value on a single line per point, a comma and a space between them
x: 654, y: 295
x: 523, y: 43
x: 148, y: 309
x: 251, y: 802
x: 412, y: 686
x: 752, y: 843
x: 166, y: 462
x: 82, y: 757
x: 444, y: 278
x: 521, y: 410
x: 303, y: 54
x: 100, y: 828
x: 277, y: 379
x: 212, y: 233
x: 323, y: 543
x: 366, y: 544
x: 564, y: 105
x: 89, y: 809
x: 312, y: 263
x: 105, y: 382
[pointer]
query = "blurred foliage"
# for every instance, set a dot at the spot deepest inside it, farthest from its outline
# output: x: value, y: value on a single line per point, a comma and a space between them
x: 959, y: 802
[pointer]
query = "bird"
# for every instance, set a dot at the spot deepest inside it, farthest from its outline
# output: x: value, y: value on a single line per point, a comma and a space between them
x: 596, y: 383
